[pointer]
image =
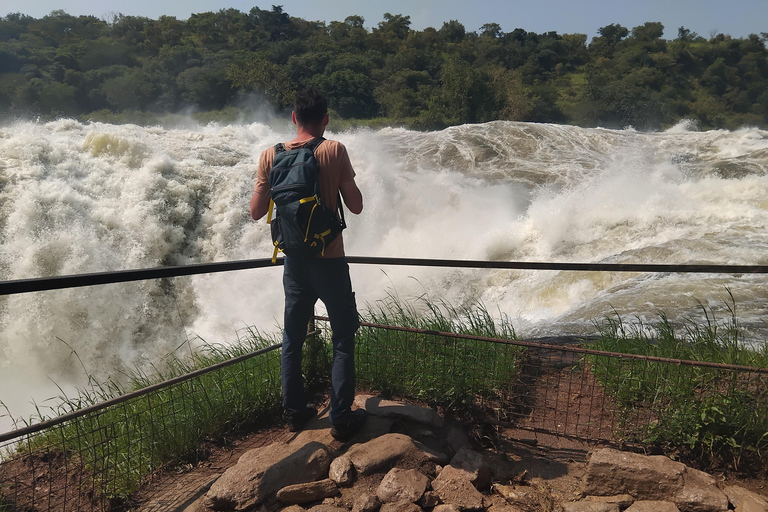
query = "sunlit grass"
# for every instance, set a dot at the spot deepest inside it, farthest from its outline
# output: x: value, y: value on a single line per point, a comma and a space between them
x: 125, y: 442
x: 451, y: 372
x: 714, y: 414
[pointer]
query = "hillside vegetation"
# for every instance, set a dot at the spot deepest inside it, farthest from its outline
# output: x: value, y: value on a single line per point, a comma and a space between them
x: 230, y: 62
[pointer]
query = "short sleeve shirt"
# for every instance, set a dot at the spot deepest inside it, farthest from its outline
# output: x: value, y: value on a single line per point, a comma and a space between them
x: 335, y: 169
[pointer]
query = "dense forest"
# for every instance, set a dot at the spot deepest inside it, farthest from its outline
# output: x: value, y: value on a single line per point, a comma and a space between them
x: 229, y: 61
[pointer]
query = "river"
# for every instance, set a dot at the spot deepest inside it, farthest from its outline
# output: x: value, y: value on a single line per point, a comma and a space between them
x: 90, y: 197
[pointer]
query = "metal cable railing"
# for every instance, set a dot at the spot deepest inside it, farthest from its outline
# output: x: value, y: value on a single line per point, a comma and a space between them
x: 106, y: 448
x: 124, y: 276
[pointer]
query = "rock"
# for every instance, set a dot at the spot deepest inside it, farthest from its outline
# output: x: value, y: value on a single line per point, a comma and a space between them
x: 380, y: 407
x: 317, y: 430
x: 400, y: 506
x: 699, y: 493
x: 652, y: 506
x: 307, y: 492
x: 428, y: 500
x: 520, y: 495
x: 366, y: 503
x: 590, y: 506
x: 453, y: 488
x: 611, y: 471
x: 472, y: 463
x: 750, y: 506
x: 293, y: 508
x: 262, y: 472
x: 655, y: 478
x: 446, y: 508
x: 342, y: 471
x: 367, y: 458
x: 739, y: 496
x: 326, y: 508
x: 402, y: 485
x: 622, y: 500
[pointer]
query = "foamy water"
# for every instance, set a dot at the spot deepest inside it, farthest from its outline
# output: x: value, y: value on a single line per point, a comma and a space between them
x: 80, y: 198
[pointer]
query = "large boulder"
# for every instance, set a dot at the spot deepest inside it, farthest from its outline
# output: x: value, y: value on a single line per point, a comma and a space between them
x: 262, y: 472
x: 368, y: 458
x: 655, y: 478
x: 611, y: 472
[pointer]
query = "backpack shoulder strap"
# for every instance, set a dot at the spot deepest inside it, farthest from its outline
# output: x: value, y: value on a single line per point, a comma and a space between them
x: 312, y: 145
x: 279, y: 148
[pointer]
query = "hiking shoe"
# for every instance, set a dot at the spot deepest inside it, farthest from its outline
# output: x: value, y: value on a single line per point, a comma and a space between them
x: 348, y: 425
x: 297, y: 421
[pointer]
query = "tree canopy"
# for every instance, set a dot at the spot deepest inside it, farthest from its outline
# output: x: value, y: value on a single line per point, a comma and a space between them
x: 63, y: 65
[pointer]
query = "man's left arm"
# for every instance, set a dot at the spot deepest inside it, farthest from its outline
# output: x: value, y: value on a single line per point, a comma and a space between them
x: 352, y: 196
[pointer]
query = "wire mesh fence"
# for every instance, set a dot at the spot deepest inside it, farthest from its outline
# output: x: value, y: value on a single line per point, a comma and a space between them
x: 93, y: 460
x: 573, y: 391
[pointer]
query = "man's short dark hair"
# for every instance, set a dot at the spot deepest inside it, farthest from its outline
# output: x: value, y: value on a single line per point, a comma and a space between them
x: 310, y: 106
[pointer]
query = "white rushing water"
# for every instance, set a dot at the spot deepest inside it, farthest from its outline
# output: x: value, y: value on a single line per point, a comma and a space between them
x: 78, y: 198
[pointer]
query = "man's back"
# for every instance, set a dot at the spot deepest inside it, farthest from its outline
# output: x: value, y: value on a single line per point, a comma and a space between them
x: 335, y: 169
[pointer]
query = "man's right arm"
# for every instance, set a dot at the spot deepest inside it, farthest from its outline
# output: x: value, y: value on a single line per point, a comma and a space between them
x: 259, y: 205
x: 352, y: 196
x: 260, y: 197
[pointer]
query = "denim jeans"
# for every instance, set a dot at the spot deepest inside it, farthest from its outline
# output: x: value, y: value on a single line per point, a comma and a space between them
x: 305, y: 280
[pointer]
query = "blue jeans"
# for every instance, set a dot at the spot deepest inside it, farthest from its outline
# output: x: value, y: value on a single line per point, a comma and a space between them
x: 305, y: 280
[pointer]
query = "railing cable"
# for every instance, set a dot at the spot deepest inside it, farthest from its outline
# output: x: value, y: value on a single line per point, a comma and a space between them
x: 124, y: 276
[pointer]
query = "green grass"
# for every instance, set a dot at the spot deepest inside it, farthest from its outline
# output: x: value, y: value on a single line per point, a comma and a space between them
x: 714, y: 416
x: 456, y: 374
x: 124, y: 443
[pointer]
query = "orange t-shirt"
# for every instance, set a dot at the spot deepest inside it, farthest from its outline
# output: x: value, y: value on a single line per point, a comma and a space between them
x: 335, y: 169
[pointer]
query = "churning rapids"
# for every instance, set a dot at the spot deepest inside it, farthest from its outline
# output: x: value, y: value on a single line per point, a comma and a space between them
x: 78, y: 198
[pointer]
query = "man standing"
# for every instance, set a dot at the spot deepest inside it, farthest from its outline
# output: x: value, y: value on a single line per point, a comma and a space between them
x: 325, y: 277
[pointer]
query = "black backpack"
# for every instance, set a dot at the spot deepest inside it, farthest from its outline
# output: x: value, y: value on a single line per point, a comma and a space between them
x: 303, y: 226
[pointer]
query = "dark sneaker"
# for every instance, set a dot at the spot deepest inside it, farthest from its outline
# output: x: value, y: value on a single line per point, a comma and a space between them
x: 297, y: 421
x: 348, y: 425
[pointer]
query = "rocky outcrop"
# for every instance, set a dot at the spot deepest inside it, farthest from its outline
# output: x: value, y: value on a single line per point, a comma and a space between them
x: 381, y: 471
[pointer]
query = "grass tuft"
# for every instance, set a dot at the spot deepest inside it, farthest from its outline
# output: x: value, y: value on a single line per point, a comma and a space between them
x: 713, y: 416
x: 457, y: 374
x: 126, y: 442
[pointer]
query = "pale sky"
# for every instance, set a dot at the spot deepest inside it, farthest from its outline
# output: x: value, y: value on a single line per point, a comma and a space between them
x: 737, y: 18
